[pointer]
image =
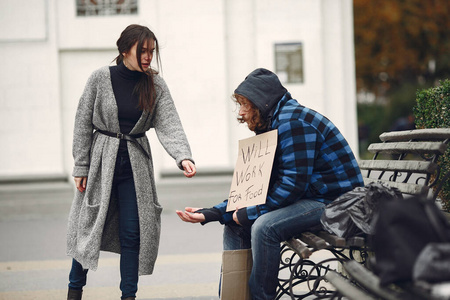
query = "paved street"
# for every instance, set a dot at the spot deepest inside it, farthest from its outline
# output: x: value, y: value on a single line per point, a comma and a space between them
x: 33, y: 264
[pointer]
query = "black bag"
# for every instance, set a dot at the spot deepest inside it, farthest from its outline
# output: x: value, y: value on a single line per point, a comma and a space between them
x: 402, y: 230
x: 352, y: 213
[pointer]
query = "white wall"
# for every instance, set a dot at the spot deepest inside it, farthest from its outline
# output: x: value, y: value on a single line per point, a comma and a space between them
x: 30, y: 118
x: 339, y: 68
x: 207, y: 49
x: 194, y: 65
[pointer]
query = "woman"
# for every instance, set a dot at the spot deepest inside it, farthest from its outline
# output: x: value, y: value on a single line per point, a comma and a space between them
x: 116, y: 207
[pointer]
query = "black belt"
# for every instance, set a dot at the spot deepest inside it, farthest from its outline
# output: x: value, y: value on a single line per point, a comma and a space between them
x: 128, y: 137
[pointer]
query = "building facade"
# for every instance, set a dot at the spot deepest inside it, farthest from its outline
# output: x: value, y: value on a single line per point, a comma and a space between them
x: 50, y: 48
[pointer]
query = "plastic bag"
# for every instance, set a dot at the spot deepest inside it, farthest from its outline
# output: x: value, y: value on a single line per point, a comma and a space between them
x: 352, y: 213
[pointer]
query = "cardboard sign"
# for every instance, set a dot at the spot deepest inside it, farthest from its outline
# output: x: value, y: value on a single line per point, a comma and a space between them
x: 253, y: 168
x: 236, y: 270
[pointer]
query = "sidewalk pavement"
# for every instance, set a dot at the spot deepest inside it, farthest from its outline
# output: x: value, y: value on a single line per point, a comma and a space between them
x: 33, y: 264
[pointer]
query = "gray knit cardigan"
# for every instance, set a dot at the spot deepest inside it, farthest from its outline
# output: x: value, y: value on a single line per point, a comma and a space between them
x: 93, y: 219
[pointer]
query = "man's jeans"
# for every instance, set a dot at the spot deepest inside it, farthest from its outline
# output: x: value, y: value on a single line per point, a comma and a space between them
x: 129, y: 235
x: 265, y: 237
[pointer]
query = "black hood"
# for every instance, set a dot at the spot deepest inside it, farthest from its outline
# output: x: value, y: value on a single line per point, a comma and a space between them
x: 263, y: 89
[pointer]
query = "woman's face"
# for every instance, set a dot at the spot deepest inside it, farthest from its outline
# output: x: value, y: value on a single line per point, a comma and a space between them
x: 130, y: 58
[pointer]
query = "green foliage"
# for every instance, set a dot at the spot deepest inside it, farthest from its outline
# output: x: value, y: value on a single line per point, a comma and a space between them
x: 401, y: 102
x: 369, y: 126
x: 376, y: 118
x: 432, y: 110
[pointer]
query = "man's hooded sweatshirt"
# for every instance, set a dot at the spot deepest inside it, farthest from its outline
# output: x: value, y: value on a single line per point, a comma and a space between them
x: 312, y: 161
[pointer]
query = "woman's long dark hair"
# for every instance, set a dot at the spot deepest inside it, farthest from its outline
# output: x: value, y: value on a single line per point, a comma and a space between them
x: 145, y: 88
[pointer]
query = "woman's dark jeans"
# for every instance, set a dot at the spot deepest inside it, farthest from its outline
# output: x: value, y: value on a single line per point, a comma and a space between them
x: 129, y: 234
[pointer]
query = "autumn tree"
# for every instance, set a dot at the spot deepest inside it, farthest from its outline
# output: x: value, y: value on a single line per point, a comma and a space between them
x: 401, y: 46
x: 401, y: 40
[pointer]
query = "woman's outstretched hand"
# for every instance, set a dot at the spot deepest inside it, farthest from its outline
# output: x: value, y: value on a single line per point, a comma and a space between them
x: 189, y: 215
x: 189, y: 168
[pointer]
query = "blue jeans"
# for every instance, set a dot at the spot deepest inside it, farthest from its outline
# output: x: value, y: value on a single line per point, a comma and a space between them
x: 123, y: 188
x: 264, y: 238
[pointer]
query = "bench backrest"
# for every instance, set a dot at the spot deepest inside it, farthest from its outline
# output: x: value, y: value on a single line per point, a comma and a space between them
x: 407, y: 160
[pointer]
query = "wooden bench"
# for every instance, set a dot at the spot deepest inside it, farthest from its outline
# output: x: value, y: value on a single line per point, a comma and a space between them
x: 406, y: 160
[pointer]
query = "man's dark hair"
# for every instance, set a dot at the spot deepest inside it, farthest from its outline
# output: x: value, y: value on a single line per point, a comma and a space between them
x: 257, y: 123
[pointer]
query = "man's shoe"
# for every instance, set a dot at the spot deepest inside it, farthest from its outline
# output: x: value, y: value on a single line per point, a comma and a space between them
x: 74, y: 294
x: 129, y: 298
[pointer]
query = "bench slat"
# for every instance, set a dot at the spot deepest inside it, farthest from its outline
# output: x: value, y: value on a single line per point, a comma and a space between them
x: 408, y: 147
x: 299, y: 248
x: 423, y: 167
x: 332, y: 239
x: 406, y: 188
x: 356, y: 241
x: 368, y: 280
x: 313, y: 240
x: 345, y: 288
x: 418, y: 134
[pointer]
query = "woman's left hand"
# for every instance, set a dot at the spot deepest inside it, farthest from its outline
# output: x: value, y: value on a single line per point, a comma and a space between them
x: 189, y: 168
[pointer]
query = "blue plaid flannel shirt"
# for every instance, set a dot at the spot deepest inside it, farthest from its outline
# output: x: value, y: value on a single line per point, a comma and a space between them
x: 313, y: 161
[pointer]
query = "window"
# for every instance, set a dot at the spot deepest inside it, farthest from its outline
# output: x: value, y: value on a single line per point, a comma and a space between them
x: 106, y: 7
x: 289, y: 62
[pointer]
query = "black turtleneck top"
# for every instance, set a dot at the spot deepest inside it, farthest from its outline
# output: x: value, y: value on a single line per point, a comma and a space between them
x: 123, y: 83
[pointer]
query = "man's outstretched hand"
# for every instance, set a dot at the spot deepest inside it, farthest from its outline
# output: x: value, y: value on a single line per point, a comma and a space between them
x: 189, y: 215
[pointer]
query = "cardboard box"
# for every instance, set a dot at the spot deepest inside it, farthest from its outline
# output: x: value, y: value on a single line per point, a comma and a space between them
x: 236, y: 269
